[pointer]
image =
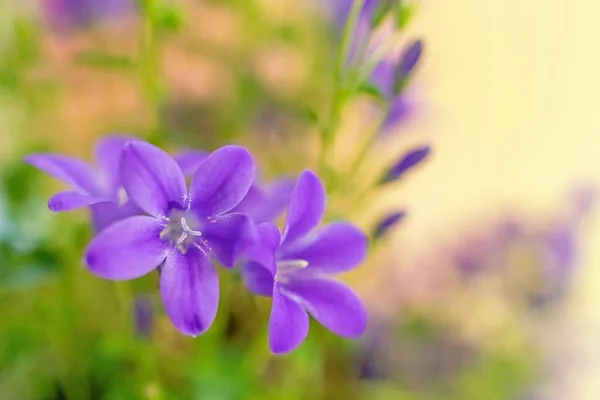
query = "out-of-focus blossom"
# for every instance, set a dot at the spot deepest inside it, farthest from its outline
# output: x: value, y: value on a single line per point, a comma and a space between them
x: 99, y: 188
x: 406, y: 163
x: 387, y: 224
x: 143, y: 312
x: 264, y: 203
x: 183, y: 231
x: 293, y: 268
x: 391, y: 77
x: 189, y: 160
x: 71, y: 14
x: 537, y: 262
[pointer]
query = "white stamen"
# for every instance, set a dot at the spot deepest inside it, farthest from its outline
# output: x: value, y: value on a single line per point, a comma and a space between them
x: 189, y: 230
x: 286, y: 268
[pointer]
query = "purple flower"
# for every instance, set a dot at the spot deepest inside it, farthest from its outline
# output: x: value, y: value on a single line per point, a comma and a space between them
x: 144, y: 316
x: 189, y: 160
x: 183, y: 231
x: 407, y: 63
x: 391, y: 73
x: 99, y: 188
x: 293, y: 268
x: 406, y: 163
x: 388, y: 223
x: 70, y: 14
x: 391, y: 76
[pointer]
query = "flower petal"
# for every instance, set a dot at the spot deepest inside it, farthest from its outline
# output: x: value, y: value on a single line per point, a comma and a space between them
x: 307, y: 207
x: 337, y: 247
x: 152, y: 178
x: 74, y: 172
x: 263, y: 249
x: 265, y: 205
x: 108, y: 152
x: 127, y: 249
x: 228, y: 236
x: 189, y: 287
x: 221, y: 181
x: 105, y: 214
x: 189, y: 160
x: 288, y: 325
x: 331, y: 303
x: 257, y: 278
x: 71, y: 200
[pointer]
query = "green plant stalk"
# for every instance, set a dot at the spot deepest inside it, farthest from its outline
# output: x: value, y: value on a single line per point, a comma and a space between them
x: 339, y: 94
x: 149, y: 65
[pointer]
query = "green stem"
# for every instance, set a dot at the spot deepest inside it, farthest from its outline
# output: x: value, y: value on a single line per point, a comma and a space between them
x: 364, y: 150
x: 150, y: 70
x: 338, y: 97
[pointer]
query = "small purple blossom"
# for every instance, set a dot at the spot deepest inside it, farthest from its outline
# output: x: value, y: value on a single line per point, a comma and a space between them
x: 70, y: 14
x: 294, y: 269
x: 98, y: 188
x: 387, y: 224
x: 390, y: 77
x: 184, y: 230
x: 144, y: 316
x: 406, y: 163
x: 408, y: 61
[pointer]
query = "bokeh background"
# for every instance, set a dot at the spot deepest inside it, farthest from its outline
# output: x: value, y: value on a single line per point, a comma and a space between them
x: 486, y: 290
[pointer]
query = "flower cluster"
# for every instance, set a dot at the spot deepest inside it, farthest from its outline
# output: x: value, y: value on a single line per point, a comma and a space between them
x: 148, y: 218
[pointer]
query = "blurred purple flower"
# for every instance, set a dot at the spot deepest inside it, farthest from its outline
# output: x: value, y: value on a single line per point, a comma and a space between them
x: 387, y: 224
x: 70, y: 14
x: 555, y: 249
x: 189, y: 160
x: 266, y: 203
x: 98, y: 188
x: 407, y: 63
x: 183, y: 231
x: 144, y: 316
x: 293, y: 268
x: 406, y: 163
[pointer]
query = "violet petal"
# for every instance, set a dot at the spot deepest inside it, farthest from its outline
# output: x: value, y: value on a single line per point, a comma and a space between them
x: 229, y: 236
x: 189, y: 160
x: 257, y: 278
x: 152, y: 178
x: 189, y: 287
x: 331, y: 303
x: 127, y: 249
x: 71, y: 200
x: 337, y: 247
x: 74, y: 172
x: 107, y: 213
x: 307, y: 207
x: 221, y: 181
x: 288, y: 324
x: 108, y: 152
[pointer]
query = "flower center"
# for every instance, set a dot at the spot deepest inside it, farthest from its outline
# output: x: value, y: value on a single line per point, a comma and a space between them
x: 179, y: 230
x: 287, y: 268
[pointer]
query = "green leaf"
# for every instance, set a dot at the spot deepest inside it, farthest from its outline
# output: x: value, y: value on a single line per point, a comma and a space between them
x: 404, y: 11
x: 372, y: 90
